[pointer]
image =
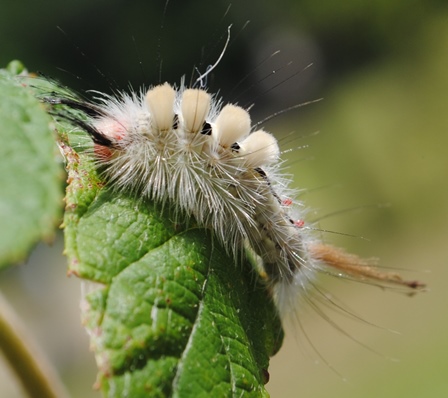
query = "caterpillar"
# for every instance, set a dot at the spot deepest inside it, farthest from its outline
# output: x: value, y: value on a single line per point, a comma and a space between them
x: 183, y: 145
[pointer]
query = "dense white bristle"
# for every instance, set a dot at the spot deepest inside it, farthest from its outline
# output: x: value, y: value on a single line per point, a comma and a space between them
x: 259, y: 148
x: 232, y: 124
x: 195, y: 108
x: 160, y: 102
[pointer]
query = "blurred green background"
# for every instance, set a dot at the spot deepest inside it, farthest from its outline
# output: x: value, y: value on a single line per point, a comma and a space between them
x: 381, y: 68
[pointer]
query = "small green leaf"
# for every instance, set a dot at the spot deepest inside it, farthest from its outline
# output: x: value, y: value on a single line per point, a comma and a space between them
x: 31, y: 178
x: 172, y: 315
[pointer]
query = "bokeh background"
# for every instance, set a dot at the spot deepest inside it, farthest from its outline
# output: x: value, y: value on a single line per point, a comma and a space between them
x: 382, y: 69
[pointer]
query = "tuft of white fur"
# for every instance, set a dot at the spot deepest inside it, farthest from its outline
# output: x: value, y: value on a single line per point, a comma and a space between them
x: 160, y: 103
x: 260, y: 148
x: 195, y: 106
x: 232, y: 125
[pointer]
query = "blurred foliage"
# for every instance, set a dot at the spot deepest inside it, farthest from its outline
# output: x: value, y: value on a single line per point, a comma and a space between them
x: 349, y: 33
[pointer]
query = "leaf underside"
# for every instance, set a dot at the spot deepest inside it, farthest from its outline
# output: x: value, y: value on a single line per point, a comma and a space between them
x: 170, y: 313
x: 30, y: 178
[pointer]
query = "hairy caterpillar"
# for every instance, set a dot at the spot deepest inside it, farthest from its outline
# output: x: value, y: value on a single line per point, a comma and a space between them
x: 182, y: 145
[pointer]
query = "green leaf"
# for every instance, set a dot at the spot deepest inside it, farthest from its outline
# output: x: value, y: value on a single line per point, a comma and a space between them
x: 30, y: 178
x: 172, y: 314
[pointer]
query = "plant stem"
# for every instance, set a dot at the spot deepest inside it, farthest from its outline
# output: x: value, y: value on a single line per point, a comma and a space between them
x: 35, y: 372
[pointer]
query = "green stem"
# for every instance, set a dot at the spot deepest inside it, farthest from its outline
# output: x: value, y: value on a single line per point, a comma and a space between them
x: 37, y: 376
